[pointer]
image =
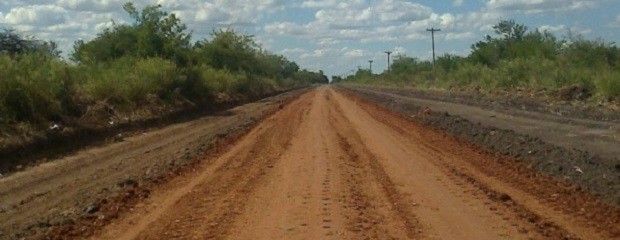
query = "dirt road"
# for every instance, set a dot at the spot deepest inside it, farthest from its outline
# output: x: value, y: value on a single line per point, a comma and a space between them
x: 62, y: 191
x: 328, y: 166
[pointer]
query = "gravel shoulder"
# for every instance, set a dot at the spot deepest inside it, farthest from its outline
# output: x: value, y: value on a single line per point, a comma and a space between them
x: 580, y: 150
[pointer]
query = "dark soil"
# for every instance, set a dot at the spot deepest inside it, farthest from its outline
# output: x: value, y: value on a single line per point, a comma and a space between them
x: 94, y: 129
x: 504, y: 101
x: 599, y: 175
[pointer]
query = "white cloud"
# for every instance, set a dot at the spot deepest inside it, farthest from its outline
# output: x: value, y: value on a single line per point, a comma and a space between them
x: 314, y: 54
x: 35, y: 15
x: 457, y: 3
x: 344, y: 18
x: 553, y: 29
x: 287, y: 28
x: 103, y: 25
x: 319, y: 4
x: 477, y: 21
x: 328, y: 41
x: 208, y: 12
x: 91, y: 5
x: 540, y: 6
x: 381, y: 21
x: 399, y: 50
x: 355, y: 53
x: 460, y: 36
x: 401, y: 11
x: 292, y: 51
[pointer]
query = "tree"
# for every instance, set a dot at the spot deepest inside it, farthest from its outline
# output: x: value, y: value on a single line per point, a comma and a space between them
x: 448, y: 62
x: 228, y: 50
x: 408, y: 65
x: 12, y: 43
x: 336, y: 79
x: 514, y: 42
x: 510, y: 30
x: 153, y: 33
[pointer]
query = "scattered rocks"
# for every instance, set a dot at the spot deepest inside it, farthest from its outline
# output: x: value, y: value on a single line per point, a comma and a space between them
x: 55, y: 127
x: 43, y: 224
x: 578, y: 169
x: 68, y: 222
x: 505, y: 197
x: 130, y: 182
x: 92, y: 208
x: 67, y: 213
x: 118, y: 137
x: 575, y: 92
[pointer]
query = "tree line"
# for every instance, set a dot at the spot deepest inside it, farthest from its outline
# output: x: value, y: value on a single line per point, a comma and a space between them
x: 515, y: 57
x: 128, y: 65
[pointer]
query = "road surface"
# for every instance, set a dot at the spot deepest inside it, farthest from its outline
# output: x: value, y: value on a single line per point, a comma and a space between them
x: 328, y: 166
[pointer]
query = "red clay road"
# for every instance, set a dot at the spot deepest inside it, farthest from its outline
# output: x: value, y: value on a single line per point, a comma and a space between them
x: 329, y: 166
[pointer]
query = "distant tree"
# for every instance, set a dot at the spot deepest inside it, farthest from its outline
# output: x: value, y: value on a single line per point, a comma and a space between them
x: 306, y: 76
x: 407, y: 65
x: 514, y: 42
x: 240, y: 53
x: 590, y: 53
x: 12, y: 43
x: 448, y: 62
x: 336, y: 79
x: 510, y: 29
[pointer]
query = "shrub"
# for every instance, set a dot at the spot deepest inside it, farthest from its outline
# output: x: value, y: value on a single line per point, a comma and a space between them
x: 31, y: 87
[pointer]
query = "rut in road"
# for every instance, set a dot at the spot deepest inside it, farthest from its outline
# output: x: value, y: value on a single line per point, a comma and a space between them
x: 326, y: 167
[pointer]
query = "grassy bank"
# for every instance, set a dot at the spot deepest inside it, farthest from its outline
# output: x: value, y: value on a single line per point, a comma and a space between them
x: 130, y: 73
x: 513, y: 60
x: 38, y: 89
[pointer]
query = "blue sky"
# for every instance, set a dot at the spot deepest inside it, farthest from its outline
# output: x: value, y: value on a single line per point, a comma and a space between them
x: 334, y: 36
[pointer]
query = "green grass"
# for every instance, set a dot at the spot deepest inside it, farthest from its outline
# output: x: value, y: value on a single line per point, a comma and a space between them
x: 534, y: 73
x: 39, y: 89
x: 31, y: 87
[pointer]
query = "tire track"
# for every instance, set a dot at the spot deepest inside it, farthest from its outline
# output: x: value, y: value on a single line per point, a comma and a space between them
x: 207, y: 206
x: 367, y: 181
x: 528, y: 214
x: 326, y: 167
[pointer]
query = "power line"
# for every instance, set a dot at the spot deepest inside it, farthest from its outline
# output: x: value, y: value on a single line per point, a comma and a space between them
x: 388, y: 58
x: 433, y: 30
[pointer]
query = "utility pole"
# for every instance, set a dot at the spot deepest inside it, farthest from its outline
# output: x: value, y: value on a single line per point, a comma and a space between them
x: 388, y: 55
x: 433, y: 30
x: 370, y: 61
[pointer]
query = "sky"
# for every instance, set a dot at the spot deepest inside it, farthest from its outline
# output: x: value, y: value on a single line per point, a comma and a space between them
x: 337, y: 37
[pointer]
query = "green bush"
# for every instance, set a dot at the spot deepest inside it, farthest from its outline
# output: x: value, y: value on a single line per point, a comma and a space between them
x: 30, y: 87
x: 131, y: 65
x: 514, y: 58
x: 608, y: 84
